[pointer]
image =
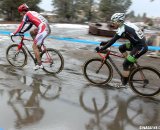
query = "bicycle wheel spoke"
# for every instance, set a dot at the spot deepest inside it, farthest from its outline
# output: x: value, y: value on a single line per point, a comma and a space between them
x: 138, y: 81
x: 50, y: 92
x: 145, y: 81
x: 96, y: 72
x: 16, y: 58
x: 52, y: 61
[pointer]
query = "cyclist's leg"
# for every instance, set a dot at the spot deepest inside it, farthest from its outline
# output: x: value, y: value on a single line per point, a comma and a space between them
x: 124, y: 48
x: 38, y: 41
x: 126, y: 71
x: 139, y: 51
x: 131, y: 59
x: 33, y: 33
x: 42, y: 36
x: 37, y: 53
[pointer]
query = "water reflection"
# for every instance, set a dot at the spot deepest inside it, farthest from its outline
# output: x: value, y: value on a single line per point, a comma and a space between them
x: 143, y: 111
x: 96, y: 95
x: 120, y: 114
x: 26, y: 103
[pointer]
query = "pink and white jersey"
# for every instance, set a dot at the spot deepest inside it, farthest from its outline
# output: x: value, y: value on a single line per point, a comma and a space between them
x: 31, y: 17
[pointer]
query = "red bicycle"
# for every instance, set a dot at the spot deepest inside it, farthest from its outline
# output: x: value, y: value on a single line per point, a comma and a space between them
x: 143, y: 80
x: 52, y: 60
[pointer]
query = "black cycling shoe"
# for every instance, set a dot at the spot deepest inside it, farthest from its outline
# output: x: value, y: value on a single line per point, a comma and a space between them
x: 124, y: 80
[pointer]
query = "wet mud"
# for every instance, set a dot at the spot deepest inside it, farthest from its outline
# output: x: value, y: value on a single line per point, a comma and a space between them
x: 34, y: 100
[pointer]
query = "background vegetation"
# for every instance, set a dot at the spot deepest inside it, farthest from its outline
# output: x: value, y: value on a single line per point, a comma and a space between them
x: 75, y: 11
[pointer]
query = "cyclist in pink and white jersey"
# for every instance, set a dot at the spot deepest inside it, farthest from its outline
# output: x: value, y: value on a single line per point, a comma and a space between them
x: 38, y: 34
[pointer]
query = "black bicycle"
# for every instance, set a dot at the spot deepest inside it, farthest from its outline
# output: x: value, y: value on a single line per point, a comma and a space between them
x: 52, y: 60
x: 143, y: 80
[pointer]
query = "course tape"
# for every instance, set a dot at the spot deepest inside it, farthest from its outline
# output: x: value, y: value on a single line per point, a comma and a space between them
x: 153, y: 48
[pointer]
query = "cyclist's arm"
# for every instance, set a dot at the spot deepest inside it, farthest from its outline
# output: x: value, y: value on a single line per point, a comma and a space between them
x: 19, y: 29
x: 29, y: 27
x: 111, y: 42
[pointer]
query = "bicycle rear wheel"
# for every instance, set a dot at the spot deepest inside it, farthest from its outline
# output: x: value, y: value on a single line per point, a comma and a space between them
x: 17, y: 58
x: 52, y: 61
x: 145, y: 81
x: 97, y: 72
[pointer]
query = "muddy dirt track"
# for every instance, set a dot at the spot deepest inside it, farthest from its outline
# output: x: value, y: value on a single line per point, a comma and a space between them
x: 34, y: 100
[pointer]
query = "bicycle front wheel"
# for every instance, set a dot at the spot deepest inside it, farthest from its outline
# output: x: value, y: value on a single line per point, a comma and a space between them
x: 52, y: 61
x: 17, y: 58
x: 97, y: 72
x: 145, y: 81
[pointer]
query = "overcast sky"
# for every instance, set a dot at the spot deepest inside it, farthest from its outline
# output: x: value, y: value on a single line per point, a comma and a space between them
x: 145, y: 6
x: 139, y: 6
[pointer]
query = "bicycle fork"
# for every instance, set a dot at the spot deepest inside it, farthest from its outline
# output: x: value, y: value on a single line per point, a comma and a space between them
x: 103, y: 61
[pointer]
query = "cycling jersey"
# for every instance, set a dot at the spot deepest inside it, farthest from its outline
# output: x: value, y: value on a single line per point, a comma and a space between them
x: 130, y: 31
x: 34, y: 18
x: 31, y: 17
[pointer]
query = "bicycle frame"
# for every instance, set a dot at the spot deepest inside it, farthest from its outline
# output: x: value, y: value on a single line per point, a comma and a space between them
x: 107, y: 57
x: 23, y: 44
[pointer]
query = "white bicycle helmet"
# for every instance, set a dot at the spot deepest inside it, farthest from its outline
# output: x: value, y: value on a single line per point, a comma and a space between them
x: 118, y: 17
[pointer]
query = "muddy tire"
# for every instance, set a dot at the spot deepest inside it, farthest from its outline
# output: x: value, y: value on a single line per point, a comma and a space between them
x: 97, y: 72
x: 17, y: 58
x: 145, y: 81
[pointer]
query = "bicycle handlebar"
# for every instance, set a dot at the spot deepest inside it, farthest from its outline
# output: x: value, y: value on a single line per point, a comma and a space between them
x: 21, y: 35
x: 108, y: 52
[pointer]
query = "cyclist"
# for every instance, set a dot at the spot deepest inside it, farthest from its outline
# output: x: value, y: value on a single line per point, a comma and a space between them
x: 38, y: 34
x: 137, y: 42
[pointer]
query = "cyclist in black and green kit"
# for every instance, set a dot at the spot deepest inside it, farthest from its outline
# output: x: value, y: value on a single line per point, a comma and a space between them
x: 137, y: 42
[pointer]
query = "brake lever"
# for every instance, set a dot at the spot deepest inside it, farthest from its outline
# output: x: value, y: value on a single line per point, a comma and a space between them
x: 12, y: 38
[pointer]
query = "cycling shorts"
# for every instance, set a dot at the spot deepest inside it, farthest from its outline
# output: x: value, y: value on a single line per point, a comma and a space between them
x: 135, y: 51
x: 42, y: 31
